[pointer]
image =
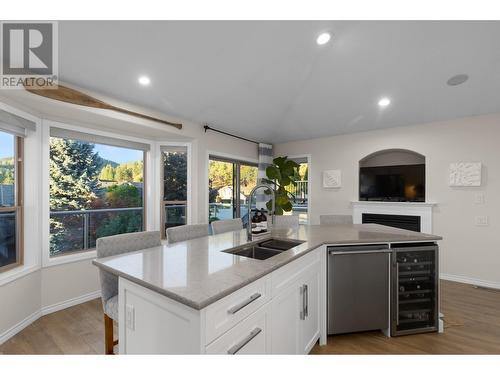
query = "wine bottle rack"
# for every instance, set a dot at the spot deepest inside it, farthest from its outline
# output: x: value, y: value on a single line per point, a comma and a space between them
x: 414, y: 288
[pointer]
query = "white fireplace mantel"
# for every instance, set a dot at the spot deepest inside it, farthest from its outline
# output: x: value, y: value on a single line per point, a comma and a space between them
x: 422, y: 209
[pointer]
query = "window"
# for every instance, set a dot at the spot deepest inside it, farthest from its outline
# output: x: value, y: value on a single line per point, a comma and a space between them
x: 11, y: 200
x: 229, y: 184
x: 174, y: 189
x: 96, y: 189
x: 300, y: 191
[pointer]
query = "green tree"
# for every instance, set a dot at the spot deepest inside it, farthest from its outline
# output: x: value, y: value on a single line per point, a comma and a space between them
x: 220, y: 174
x: 107, y: 173
x: 138, y: 171
x: 73, y: 174
x: 124, y: 174
x: 125, y: 195
x: 248, y: 178
x: 73, y: 170
x: 303, y: 171
x: 110, y: 223
x: 174, y: 176
x: 7, y: 171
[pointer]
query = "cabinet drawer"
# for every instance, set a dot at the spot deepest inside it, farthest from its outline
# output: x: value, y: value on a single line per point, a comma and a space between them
x: 285, y: 276
x: 229, y: 311
x: 248, y: 337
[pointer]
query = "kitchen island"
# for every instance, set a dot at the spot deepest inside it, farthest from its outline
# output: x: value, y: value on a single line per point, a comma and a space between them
x: 198, y: 297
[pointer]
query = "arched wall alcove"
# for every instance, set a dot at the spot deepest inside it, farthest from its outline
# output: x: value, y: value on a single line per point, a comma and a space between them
x: 392, y: 175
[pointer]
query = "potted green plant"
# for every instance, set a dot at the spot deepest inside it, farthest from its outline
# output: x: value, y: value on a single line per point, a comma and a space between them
x: 279, y: 176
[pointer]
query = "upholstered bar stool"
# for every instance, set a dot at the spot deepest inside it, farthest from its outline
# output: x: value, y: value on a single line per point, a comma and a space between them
x: 335, y: 219
x: 114, y: 245
x: 186, y: 232
x: 230, y: 225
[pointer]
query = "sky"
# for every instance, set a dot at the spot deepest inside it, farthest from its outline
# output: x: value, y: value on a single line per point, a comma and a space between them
x: 6, y: 145
x: 118, y: 154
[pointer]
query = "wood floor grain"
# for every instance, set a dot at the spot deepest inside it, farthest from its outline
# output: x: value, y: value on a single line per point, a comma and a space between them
x: 472, y: 327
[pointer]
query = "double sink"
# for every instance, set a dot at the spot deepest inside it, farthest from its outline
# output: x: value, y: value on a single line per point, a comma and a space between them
x: 265, y: 249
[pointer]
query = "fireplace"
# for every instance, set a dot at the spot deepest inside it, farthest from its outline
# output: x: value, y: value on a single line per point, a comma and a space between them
x: 406, y: 210
x: 409, y: 222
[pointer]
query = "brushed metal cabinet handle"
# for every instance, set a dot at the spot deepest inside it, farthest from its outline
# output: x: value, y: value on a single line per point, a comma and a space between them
x: 239, y: 306
x: 303, y: 310
x: 306, y: 311
x: 333, y: 252
x: 237, y: 347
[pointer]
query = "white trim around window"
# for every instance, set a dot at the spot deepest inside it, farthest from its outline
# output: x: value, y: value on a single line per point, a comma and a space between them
x: 158, y: 188
x: 205, y: 174
x: 310, y: 179
x: 32, y: 196
x: 48, y: 261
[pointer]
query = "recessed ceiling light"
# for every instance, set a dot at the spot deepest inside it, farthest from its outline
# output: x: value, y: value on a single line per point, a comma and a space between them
x: 457, y: 80
x: 384, y: 102
x: 323, y: 38
x: 144, y: 80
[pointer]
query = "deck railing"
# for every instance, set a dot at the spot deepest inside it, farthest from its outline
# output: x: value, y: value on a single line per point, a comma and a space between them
x: 300, y: 192
x: 78, y: 229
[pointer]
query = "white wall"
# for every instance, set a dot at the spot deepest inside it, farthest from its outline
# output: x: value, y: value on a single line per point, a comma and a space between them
x: 20, y: 301
x: 468, y: 252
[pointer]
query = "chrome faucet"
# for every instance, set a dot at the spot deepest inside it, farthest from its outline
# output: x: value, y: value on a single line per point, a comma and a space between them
x: 273, y: 206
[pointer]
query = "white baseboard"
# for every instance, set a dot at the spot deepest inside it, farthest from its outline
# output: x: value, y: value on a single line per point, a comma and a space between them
x: 12, y: 331
x: 70, y: 302
x: 470, y: 280
x: 44, y: 311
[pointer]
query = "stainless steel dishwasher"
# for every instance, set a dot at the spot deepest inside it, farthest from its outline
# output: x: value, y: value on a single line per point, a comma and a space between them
x: 358, y: 288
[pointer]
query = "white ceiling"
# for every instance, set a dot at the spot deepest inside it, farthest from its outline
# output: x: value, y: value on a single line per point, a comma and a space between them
x: 270, y: 81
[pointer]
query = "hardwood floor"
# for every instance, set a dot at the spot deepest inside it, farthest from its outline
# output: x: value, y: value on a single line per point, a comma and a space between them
x: 75, y: 330
x: 472, y: 326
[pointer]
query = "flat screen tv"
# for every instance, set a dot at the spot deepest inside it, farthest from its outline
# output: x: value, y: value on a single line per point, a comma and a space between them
x: 395, y: 183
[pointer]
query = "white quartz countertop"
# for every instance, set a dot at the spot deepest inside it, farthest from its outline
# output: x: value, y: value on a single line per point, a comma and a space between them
x: 198, y: 272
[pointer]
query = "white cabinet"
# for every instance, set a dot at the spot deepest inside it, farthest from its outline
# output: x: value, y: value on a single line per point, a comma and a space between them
x: 248, y: 337
x: 225, y: 313
x: 309, y: 325
x: 279, y: 313
x: 295, y: 308
x: 285, y: 330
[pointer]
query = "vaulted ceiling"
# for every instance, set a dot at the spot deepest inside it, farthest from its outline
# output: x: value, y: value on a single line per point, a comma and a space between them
x: 270, y: 80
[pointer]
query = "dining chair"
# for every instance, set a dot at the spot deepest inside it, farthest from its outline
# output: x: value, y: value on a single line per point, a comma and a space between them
x: 229, y: 225
x: 186, y: 232
x: 115, y: 245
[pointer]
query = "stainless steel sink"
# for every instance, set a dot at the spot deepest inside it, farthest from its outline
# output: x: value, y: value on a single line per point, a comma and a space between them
x: 265, y: 249
x: 279, y: 244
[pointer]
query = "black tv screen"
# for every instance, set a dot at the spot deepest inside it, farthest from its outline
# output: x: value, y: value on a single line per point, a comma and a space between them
x: 395, y: 183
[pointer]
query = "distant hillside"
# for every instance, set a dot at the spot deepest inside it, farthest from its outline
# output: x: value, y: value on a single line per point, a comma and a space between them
x: 104, y: 162
x: 6, y: 161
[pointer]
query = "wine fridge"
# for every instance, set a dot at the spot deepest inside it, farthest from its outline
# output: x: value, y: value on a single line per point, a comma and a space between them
x: 415, y: 289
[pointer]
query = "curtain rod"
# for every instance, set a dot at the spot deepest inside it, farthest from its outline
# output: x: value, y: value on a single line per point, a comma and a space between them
x: 206, y: 127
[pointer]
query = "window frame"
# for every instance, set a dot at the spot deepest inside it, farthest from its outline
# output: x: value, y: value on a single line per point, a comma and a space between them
x: 189, y: 212
x: 237, y: 163
x: 18, y: 207
x: 310, y: 180
x: 76, y: 256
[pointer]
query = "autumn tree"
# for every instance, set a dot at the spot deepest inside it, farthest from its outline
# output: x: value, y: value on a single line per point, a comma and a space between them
x: 107, y: 173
